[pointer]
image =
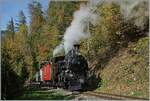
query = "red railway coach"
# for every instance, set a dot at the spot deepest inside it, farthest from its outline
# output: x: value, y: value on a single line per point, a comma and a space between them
x: 46, y: 72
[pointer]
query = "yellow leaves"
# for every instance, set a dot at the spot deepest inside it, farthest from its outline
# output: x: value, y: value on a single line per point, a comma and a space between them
x: 23, y: 29
x: 17, y: 51
x: 19, y: 41
x: 8, y: 43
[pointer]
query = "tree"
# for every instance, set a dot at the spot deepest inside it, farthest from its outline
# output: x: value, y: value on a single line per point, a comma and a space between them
x: 11, y: 81
x: 17, y: 47
x: 21, y: 25
x: 60, y: 14
x: 22, y: 18
x: 10, y: 28
x: 36, y: 31
x: 37, y: 19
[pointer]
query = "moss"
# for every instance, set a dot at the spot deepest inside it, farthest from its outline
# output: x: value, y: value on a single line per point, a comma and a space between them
x: 137, y: 93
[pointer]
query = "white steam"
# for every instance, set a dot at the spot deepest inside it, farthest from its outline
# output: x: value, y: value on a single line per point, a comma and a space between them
x: 79, y: 27
x: 58, y: 50
x: 127, y: 7
x: 137, y: 10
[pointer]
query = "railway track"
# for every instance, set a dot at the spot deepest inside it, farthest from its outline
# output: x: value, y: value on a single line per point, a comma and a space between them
x: 111, y: 96
x: 90, y: 95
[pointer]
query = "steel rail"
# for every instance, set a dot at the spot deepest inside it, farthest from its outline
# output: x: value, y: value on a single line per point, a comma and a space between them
x: 112, y: 96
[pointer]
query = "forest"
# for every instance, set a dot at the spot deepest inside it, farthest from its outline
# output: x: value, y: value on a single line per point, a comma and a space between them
x: 114, y: 36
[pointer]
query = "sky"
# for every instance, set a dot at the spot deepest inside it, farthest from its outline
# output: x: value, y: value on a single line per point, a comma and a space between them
x: 11, y: 8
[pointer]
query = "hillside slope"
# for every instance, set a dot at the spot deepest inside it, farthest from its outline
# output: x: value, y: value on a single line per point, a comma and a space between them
x: 127, y: 73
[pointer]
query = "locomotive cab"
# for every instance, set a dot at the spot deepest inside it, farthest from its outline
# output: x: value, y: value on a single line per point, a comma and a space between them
x: 58, y: 67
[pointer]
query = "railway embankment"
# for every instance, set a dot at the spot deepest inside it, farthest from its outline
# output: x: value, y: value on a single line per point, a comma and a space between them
x: 127, y: 73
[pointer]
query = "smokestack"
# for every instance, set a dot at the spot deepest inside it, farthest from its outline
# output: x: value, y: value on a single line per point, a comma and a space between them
x: 77, y: 48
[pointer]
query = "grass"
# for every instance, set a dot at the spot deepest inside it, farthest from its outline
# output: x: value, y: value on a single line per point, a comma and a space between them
x: 43, y: 95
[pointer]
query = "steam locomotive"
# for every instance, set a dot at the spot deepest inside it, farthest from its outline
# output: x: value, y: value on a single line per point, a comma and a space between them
x: 68, y: 72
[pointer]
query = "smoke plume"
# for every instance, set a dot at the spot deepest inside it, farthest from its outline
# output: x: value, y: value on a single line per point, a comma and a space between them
x: 137, y: 10
x: 79, y: 27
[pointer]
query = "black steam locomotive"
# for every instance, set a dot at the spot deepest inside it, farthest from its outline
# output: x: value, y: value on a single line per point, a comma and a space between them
x: 71, y: 70
x: 68, y: 72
